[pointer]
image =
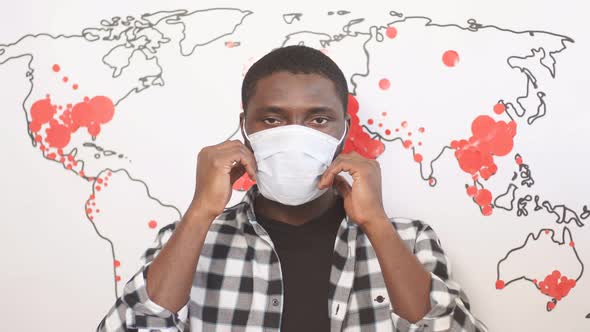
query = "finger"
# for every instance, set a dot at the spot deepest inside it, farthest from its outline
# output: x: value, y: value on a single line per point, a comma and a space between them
x: 236, y: 173
x: 227, y: 144
x: 339, y: 165
x: 343, y: 187
x: 242, y: 156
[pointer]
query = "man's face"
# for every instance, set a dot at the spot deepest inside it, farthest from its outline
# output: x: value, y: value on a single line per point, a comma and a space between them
x: 284, y: 98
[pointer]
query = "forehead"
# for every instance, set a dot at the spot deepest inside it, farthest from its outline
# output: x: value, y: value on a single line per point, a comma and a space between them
x: 288, y: 90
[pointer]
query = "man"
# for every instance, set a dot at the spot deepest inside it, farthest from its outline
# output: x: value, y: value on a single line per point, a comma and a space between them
x: 305, y: 250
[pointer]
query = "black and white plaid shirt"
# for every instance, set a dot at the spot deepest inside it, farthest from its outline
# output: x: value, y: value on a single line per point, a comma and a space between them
x: 237, y: 284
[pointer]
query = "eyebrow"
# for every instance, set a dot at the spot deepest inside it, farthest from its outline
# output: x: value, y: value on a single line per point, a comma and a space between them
x: 310, y: 111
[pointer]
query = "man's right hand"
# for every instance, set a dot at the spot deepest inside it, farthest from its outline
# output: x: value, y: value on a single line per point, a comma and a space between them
x: 218, y: 167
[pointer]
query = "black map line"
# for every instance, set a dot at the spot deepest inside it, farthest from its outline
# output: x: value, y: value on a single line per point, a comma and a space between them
x: 86, y: 32
x: 432, y: 181
x: 291, y: 17
x: 246, y: 12
x: 563, y: 213
x: 109, y: 241
x: 473, y: 26
x: 339, y: 12
x: 510, y: 191
x: 170, y: 17
x: 102, y: 151
x: 532, y: 235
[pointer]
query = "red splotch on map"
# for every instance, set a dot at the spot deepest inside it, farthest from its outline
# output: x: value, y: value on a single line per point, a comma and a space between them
x: 483, y: 198
x: 358, y: 140
x: 92, y: 113
x: 489, y: 138
x: 243, y: 183
x: 557, y: 286
x: 450, y: 58
x: 475, y: 155
x: 52, y: 125
x: 99, y: 183
x: 391, y: 32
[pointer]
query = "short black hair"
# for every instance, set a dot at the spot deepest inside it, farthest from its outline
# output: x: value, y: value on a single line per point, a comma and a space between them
x: 296, y: 59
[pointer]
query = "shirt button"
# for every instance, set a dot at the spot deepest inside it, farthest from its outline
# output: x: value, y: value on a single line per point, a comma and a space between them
x: 275, y: 302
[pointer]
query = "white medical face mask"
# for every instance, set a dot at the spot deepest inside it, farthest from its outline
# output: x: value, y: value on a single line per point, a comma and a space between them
x: 291, y: 160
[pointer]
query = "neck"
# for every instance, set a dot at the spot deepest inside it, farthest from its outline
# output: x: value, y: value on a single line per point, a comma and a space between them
x: 294, y: 215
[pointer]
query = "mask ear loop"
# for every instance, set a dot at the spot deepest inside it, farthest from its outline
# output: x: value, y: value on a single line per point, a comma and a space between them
x: 345, y: 131
x: 244, y: 130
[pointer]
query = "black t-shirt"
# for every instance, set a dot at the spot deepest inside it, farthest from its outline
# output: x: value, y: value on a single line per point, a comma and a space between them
x: 305, y: 254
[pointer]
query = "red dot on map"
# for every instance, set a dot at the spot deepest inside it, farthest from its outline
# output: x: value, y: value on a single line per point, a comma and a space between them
x: 404, y: 124
x: 518, y: 160
x: 409, y: 133
x: 380, y: 125
x: 384, y: 84
x: 499, y: 108
x: 110, y: 173
x: 471, y: 190
x: 89, y: 210
x: 117, y: 263
x: 535, y: 281
x: 384, y: 113
x: 500, y: 284
x: 99, y: 180
x: 65, y: 79
x: 419, y: 143
x: 152, y: 224
x: 391, y: 32
x: 81, y: 173
x: 387, y: 132
x: 117, y: 278
x: 421, y: 129
x: 75, y: 86
x: 546, y: 231
x: 450, y: 58
x: 418, y: 158
x: 396, y: 129
x: 55, y: 68
x: 407, y: 144
x: 483, y: 197
x: 572, y: 244
x: 370, y: 121
x: 487, y: 210
x: 97, y: 188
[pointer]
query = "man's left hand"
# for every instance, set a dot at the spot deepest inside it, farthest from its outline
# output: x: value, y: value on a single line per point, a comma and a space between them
x: 363, y: 200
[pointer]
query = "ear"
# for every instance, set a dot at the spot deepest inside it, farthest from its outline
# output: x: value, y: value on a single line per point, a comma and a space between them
x: 242, y: 120
x: 348, y: 124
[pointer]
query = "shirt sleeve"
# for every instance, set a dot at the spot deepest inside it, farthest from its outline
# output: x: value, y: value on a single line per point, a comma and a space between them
x: 450, y: 308
x: 134, y: 310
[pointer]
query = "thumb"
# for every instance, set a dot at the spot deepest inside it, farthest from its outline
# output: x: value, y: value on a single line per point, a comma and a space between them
x: 342, y: 186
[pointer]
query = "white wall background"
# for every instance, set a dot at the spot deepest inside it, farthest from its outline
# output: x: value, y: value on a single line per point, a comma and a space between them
x: 58, y: 275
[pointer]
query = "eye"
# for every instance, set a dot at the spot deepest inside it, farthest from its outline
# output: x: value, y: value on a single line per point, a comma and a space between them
x: 271, y: 121
x: 320, y: 121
